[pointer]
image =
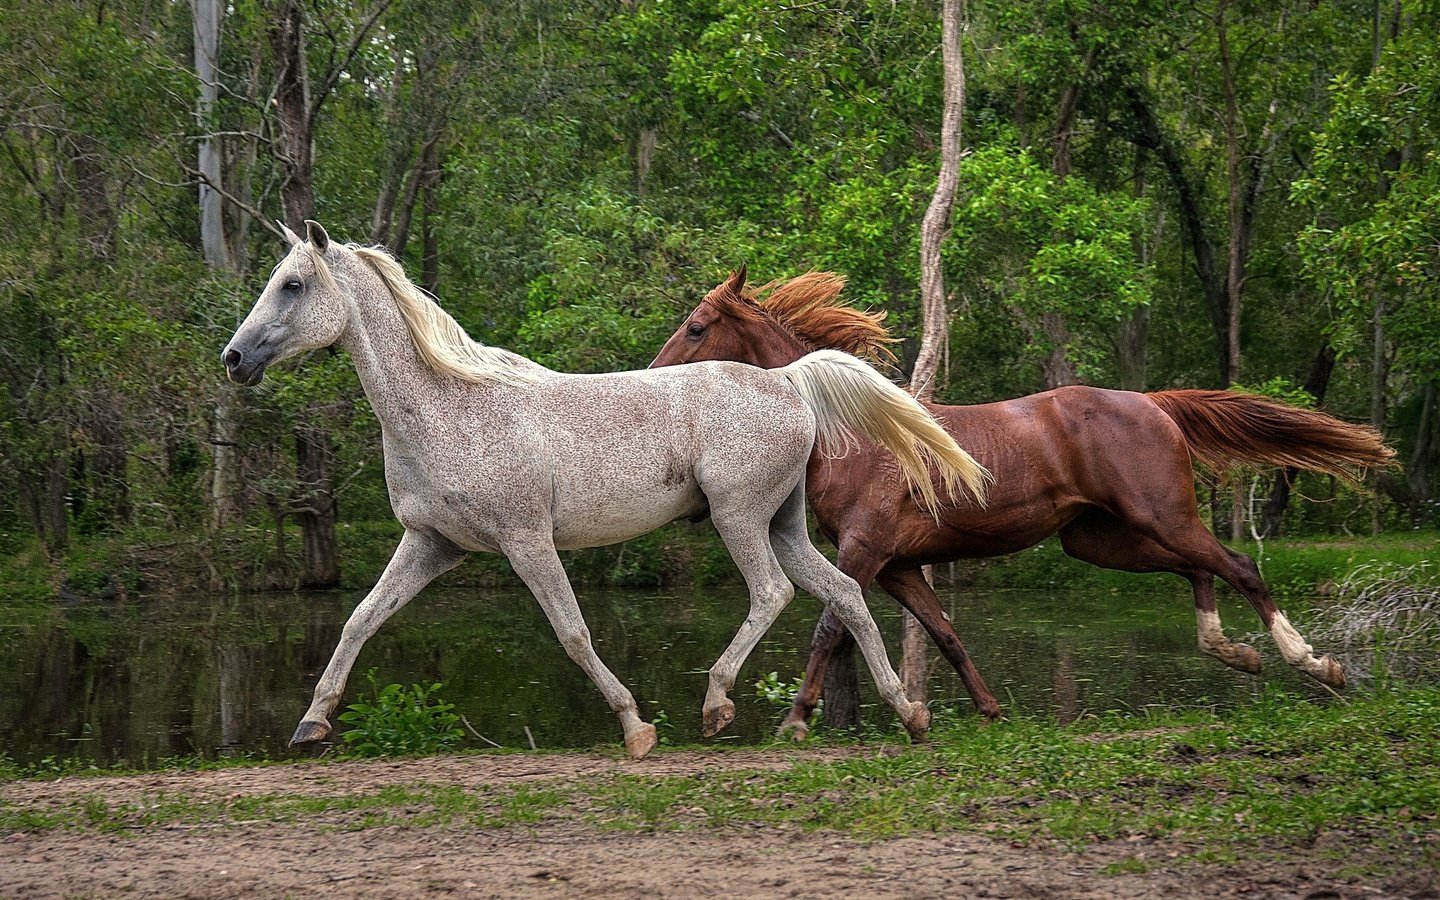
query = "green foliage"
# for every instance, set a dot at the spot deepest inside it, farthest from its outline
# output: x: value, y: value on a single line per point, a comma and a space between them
x: 400, y: 721
x: 772, y: 690
x: 1376, y: 174
x: 1282, y: 389
x: 1046, y: 246
x: 570, y: 180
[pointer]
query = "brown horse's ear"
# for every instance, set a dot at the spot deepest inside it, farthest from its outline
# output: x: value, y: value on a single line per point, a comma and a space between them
x: 736, y: 281
x: 290, y: 237
x: 318, y: 238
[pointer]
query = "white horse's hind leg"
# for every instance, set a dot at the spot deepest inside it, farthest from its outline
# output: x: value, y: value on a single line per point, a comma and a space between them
x: 420, y: 557
x: 813, y: 572
x: 770, y: 592
x: 535, y: 561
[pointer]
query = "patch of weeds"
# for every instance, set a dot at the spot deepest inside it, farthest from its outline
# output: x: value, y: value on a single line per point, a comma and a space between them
x: 15, y: 818
x: 400, y: 721
x: 664, y: 728
x: 524, y: 805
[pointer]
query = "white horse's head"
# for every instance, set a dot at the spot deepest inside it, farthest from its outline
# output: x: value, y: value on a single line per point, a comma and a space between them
x: 302, y: 308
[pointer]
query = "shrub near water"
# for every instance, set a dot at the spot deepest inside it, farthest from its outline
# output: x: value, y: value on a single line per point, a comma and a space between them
x: 401, y: 721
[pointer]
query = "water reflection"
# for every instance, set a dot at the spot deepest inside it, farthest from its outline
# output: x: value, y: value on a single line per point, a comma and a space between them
x: 164, y: 677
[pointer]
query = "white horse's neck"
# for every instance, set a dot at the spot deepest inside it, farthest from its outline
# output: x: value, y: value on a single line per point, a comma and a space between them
x: 405, y: 392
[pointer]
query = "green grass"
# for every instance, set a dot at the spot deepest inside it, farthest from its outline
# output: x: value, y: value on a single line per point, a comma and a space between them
x: 1279, y: 772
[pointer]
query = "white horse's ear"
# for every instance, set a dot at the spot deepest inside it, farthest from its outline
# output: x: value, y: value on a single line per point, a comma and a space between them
x: 318, y: 238
x: 290, y: 237
x: 736, y: 281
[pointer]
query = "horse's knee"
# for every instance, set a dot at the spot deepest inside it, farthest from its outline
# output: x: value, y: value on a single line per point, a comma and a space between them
x: 1247, y: 574
x: 576, y: 641
x: 848, y: 607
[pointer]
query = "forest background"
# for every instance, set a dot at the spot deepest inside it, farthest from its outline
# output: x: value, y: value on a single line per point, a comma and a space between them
x: 1199, y: 194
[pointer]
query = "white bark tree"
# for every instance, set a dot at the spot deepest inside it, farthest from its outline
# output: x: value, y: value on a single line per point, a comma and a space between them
x: 935, y: 332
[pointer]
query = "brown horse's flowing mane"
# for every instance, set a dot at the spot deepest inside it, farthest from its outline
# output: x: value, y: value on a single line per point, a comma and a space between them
x: 809, y: 308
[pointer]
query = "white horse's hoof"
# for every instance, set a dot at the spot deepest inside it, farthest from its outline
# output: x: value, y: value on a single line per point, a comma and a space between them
x: 641, y: 741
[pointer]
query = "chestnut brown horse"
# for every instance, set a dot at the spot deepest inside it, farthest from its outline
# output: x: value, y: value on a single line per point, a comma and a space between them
x: 1110, y: 471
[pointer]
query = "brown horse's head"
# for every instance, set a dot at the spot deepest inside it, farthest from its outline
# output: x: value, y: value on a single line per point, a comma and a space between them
x: 776, y: 324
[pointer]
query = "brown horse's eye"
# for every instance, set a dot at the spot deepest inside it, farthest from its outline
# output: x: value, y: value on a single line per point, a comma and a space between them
x: 696, y: 329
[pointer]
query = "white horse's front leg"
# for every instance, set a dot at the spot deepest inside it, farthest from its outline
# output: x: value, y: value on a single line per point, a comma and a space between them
x: 420, y: 557
x: 534, y: 559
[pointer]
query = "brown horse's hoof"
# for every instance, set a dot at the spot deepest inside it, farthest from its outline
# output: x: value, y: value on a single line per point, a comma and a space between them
x: 794, y: 729
x: 641, y: 741
x: 715, y: 718
x: 1331, y: 673
x: 1244, y: 658
x: 990, y: 711
x: 309, y: 732
x: 918, y: 725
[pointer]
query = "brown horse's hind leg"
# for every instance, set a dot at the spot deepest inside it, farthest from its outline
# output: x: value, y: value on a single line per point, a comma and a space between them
x: 915, y: 594
x: 1183, y: 534
x: 829, y: 638
x: 1103, y: 540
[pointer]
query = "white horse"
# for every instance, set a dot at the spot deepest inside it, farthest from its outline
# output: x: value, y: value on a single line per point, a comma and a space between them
x: 487, y: 450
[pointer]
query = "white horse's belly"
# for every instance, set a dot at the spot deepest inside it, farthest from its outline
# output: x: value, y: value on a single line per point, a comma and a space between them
x: 608, y: 517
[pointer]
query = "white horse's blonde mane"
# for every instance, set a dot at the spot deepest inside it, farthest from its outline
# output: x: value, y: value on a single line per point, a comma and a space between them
x: 439, y: 338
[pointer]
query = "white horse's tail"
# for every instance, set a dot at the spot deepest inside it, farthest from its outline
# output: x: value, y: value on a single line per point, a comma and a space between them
x: 847, y: 396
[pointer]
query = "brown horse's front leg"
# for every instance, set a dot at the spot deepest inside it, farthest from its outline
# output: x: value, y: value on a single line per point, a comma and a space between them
x: 829, y: 637
x: 915, y: 594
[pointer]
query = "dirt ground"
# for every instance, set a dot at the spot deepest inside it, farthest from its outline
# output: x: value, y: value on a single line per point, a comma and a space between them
x: 567, y: 858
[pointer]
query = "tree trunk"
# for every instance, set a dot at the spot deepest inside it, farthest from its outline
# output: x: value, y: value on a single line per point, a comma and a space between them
x: 225, y: 457
x: 1417, y: 475
x: 429, y: 245
x: 1273, y: 513
x: 294, y: 114
x: 1235, y: 261
x: 317, y: 512
x: 292, y: 106
x: 842, y: 690
x: 1135, y: 331
x: 111, y: 492
x: 1057, y: 369
x: 398, y: 158
x: 935, y: 227
x: 645, y: 143
x: 1379, y: 387
x: 914, y: 652
x: 1194, y: 231
x: 56, y: 531
x: 1244, y: 173
x: 1065, y: 115
x: 935, y: 334
x: 207, y: 17
x: 208, y: 14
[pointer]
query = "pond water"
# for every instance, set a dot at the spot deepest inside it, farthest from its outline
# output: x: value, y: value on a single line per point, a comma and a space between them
x: 162, y: 677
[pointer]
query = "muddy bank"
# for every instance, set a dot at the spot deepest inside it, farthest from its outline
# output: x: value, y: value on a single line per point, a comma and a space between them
x: 342, y: 851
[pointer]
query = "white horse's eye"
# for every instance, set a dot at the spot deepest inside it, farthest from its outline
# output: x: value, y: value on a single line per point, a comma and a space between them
x: 293, y: 285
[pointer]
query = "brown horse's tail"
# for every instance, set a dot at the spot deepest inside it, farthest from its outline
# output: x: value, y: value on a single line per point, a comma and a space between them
x: 1226, y: 427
